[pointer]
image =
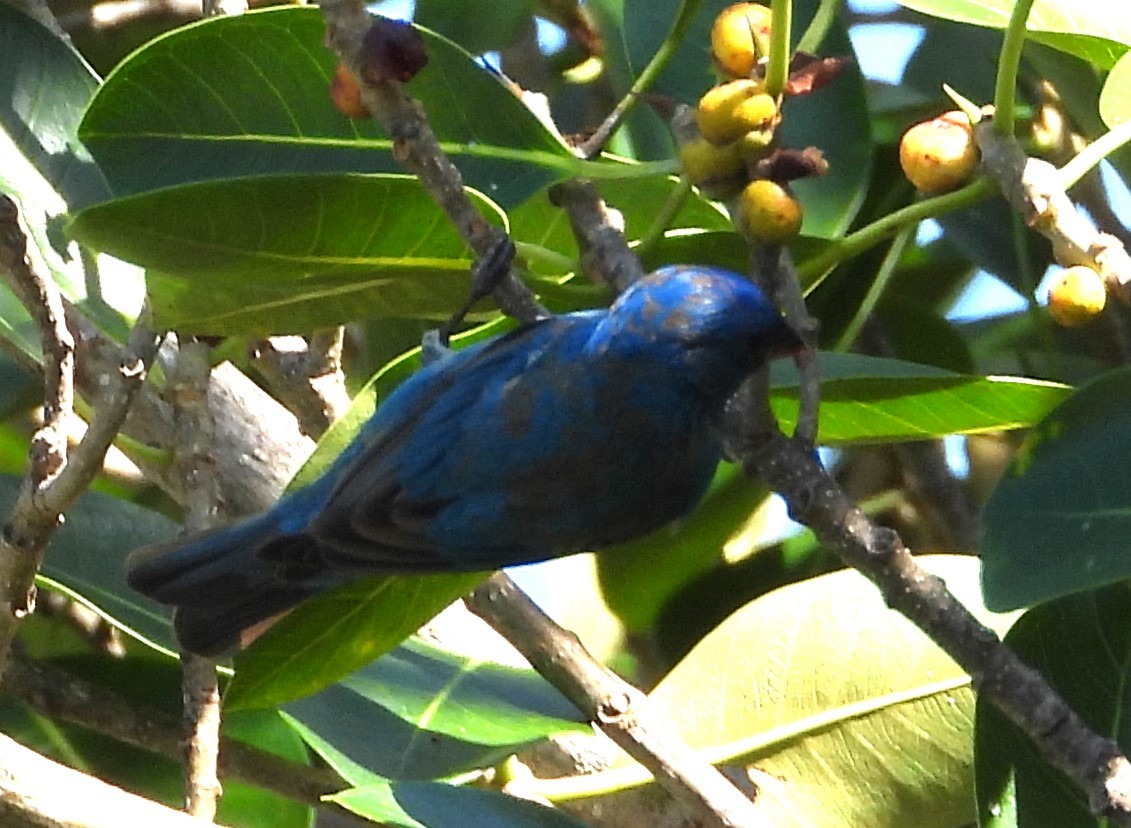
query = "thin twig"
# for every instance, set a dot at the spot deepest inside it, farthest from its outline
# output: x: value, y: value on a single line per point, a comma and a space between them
x: 1035, y: 189
x: 188, y: 385
x: 306, y: 376
x: 52, y: 482
x: 605, y: 256
x: 416, y: 148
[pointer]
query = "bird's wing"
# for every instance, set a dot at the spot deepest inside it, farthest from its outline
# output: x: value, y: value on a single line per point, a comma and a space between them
x: 389, y: 492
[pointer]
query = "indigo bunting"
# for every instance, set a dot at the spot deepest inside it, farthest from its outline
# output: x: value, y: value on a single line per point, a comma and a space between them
x: 571, y: 433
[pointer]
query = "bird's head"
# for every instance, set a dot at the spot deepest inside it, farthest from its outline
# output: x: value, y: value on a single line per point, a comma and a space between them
x: 709, y: 324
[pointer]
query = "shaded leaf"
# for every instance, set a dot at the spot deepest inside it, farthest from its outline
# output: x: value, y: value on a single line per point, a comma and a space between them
x: 436, y: 805
x: 420, y: 713
x: 87, y: 553
x: 1058, y: 520
x: 1082, y: 645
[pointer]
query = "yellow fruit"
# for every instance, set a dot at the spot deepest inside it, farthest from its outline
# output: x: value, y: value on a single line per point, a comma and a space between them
x: 768, y: 213
x: 719, y: 172
x: 940, y: 154
x: 740, y: 38
x: 346, y: 94
x: 727, y: 112
x: 1077, y: 295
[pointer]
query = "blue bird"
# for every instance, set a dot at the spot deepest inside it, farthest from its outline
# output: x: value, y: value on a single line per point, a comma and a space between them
x: 571, y: 433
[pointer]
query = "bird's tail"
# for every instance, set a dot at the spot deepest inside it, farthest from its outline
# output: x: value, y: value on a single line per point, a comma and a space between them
x: 219, y: 581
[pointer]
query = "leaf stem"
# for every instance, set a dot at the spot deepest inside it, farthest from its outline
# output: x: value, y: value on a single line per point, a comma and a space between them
x: 778, y: 68
x: 819, y: 26
x: 664, y: 217
x: 684, y: 17
x: 815, y: 269
x: 1094, y: 153
x: 879, y: 284
x: 1006, y: 86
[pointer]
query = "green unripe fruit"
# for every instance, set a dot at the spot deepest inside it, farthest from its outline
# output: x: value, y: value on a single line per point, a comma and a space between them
x: 940, y: 154
x: 767, y: 213
x: 718, y: 171
x: 740, y: 38
x: 727, y: 112
x: 1077, y: 295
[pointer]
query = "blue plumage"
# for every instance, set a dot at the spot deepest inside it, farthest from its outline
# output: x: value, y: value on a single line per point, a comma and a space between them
x: 572, y: 433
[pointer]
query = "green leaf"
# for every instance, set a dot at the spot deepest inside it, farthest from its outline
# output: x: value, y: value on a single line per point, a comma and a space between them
x: 287, y: 253
x: 1090, y: 29
x: 45, y: 85
x: 87, y: 553
x: 1115, y: 98
x: 421, y: 713
x: 436, y: 805
x: 46, y: 171
x: 1058, y: 520
x: 1082, y: 645
x: 638, y: 577
x: 791, y: 687
x: 831, y: 201
x: 238, y: 96
x: 326, y: 638
x: 477, y: 27
x: 871, y: 400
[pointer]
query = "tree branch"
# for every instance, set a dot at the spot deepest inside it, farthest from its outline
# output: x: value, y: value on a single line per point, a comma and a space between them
x: 616, y: 707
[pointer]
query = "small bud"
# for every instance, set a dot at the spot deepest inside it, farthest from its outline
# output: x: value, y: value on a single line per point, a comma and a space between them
x: 391, y: 50
x: 346, y: 94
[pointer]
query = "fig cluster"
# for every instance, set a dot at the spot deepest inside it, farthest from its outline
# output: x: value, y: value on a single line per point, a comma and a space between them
x: 735, y: 122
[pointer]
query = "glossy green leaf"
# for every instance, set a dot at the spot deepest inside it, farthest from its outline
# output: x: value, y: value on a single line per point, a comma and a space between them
x: 1092, y: 29
x: 436, y: 805
x: 1082, y: 645
x: 831, y: 201
x: 328, y: 637
x: 871, y: 400
x: 247, y: 95
x: 422, y: 713
x: 287, y: 253
x: 822, y: 694
x: 1058, y: 520
x: 1115, y: 98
